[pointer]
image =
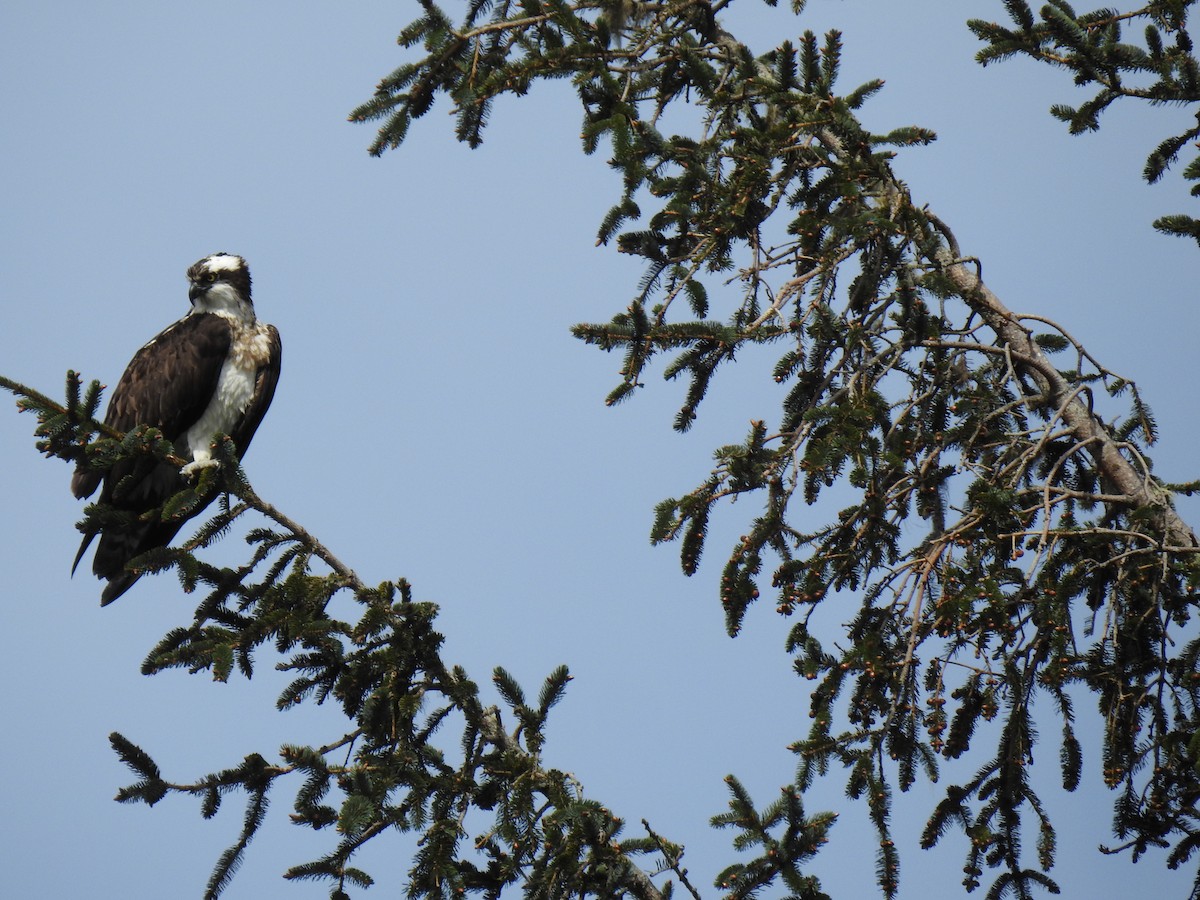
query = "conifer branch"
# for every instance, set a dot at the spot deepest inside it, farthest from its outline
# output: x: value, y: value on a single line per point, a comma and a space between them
x: 300, y: 534
x: 909, y: 382
x: 37, y: 400
x: 1096, y: 48
x: 385, y: 671
x: 1087, y: 427
x: 673, y: 856
x: 30, y: 400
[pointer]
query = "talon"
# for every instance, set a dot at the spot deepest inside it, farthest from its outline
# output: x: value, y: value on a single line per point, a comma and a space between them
x: 192, y: 469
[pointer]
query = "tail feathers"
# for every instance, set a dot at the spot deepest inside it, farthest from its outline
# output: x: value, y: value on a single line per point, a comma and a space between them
x: 135, y: 487
x: 118, y: 548
x: 121, y: 544
x: 84, y: 483
x: 87, y: 542
x: 117, y: 585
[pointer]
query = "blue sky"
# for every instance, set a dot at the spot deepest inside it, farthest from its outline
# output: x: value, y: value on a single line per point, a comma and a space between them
x: 424, y: 301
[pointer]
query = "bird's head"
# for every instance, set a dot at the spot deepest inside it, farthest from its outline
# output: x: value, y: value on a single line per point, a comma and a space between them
x: 221, y: 283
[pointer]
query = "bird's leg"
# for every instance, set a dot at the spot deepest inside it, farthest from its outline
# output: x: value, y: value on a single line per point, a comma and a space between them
x: 201, y: 460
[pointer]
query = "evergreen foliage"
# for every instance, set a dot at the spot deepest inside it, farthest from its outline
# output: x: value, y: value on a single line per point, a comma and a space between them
x: 1002, y: 545
x: 384, y: 669
x: 1006, y: 537
x: 1095, y: 48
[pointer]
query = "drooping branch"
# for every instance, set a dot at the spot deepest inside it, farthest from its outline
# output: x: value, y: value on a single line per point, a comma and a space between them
x: 1089, y: 430
x: 994, y: 515
x: 386, y: 671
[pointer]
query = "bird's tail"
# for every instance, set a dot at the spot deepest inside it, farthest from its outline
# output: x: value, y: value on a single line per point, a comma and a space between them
x: 117, y: 585
x: 87, y: 542
x: 85, y: 481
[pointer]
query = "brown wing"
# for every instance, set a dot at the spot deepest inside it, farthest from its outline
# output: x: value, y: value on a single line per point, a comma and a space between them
x: 170, y: 381
x: 264, y: 390
x: 167, y: 384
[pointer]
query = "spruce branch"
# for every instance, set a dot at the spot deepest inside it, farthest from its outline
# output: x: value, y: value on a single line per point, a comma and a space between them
x: 402, y: 662
x: 386, y: 671
x: 1158, y: 66
x: 673, y: 858
x: 81, y: 423
x: 1134, y: 485
x: 301, y: 536
x: 998, y: 513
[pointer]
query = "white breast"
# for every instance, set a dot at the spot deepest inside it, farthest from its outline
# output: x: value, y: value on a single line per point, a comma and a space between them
x: 235, y: 388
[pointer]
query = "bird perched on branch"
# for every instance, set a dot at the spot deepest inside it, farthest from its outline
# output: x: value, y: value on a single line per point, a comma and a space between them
x: 212, y: 372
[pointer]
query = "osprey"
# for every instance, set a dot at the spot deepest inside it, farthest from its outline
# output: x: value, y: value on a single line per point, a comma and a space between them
x: 212, y: 372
